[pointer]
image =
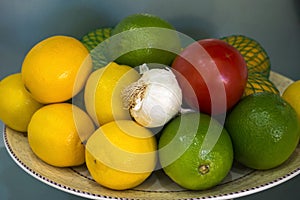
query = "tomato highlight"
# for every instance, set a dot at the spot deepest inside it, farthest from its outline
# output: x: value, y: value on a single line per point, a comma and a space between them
x: 212, y: 75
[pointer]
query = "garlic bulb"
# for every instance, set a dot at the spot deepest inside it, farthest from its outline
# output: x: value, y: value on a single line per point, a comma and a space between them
x: 155, y: 98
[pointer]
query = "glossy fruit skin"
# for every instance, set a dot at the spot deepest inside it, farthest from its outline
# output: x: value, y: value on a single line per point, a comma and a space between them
x: 56, y: 134
x: 185, y: 153
x: 292, y: 96
x: 16, y: 104
x: 143, y: 38
x: 256, y: 57
x: 121, y: 154
x: 56, y: 68
x: 102, y: 94
x: 264, y: 130
x: 212, y: 75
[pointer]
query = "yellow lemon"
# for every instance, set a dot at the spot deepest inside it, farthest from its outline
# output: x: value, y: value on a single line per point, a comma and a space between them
x: 57, y: 132
x: 102, y: 95
x: 56, y: 69
x: 16, y: 104
x: 292, y: 95
x: 121, y: 154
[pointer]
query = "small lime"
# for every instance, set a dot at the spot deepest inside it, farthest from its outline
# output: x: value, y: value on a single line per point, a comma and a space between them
x: 144, y: 38
x: 195, y: 151
x: 264, y: 130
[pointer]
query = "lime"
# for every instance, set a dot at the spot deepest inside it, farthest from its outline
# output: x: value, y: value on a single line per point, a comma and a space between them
x: 144, y: 38
x: 264, y: 129
x: 187, y: 159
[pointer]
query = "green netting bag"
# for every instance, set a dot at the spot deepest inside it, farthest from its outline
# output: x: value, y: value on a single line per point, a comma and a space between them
x: 91, y: 40
x: 257, y: 82
x: 254, y: 54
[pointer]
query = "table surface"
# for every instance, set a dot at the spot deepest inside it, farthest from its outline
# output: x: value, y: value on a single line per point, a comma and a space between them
x: 17, y: 184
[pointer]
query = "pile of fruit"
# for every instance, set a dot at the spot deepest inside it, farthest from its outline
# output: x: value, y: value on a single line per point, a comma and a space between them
x: 129, y: 100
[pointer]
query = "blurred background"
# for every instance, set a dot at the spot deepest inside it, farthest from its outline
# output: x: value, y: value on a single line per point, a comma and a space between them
x: 275, y: 24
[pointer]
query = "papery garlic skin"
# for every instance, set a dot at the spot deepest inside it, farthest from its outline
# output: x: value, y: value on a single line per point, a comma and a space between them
x: 155, y: 98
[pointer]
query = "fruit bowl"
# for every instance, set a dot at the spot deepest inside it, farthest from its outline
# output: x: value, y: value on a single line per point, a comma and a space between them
x: 241, y: 181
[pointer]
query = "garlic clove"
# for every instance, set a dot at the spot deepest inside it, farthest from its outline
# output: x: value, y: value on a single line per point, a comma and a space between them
x: 154, y: 99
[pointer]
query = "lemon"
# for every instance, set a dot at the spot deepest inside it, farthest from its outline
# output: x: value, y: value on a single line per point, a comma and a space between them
x: 16, y: 104
x: 121, y: 154
x: 195, y: 151
x: 264, y: 129
x: 56, y: 69
x: 102, y: 94
x: 292, y: 95
x: 56, y: 134
x: 143, y: 38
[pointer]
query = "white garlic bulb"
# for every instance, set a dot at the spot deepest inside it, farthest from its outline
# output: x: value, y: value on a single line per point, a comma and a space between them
x: 155, y: 98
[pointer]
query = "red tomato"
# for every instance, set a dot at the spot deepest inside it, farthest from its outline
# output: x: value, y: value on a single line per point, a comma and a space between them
x: 212, y: 75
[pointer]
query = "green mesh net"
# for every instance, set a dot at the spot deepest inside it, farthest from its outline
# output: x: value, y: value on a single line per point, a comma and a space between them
x: 259, y: 83
x: 255, y: 56
x: 91, y: 40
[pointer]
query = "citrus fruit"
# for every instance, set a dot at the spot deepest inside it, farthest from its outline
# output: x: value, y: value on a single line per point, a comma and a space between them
x: 56, y: 68
x: 92, y: 41
x: 254, y: 54
x: 56, y: 134
x: 102, y: 94
x: 16, y: 104
x: 257, y: 82
x: 264, y: 129
x: 143, y: 38
x: 292, y: 95
x: 195, y: 151
x: 121, y: 154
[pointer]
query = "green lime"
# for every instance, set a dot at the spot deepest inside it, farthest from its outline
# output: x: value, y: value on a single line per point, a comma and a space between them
x: 190, y: 161
x: 144, y: 38
x: 92, y: 41
x: 264, y: 130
